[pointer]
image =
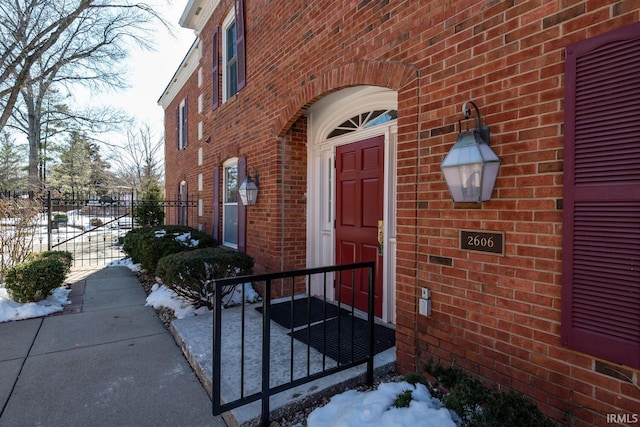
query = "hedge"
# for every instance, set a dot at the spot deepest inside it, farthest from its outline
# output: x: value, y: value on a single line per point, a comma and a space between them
x: 34, y: 280
x: 190, y: 274
x: 63, y: 256
x: 147, y: 245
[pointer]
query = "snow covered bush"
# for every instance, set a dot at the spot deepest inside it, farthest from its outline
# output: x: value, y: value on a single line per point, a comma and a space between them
x: 191, y: 274
x: 146, y: 245
x: 33, y: 281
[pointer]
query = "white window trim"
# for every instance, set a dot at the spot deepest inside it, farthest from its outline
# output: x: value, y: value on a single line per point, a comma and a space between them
x: 323, y: 117
x: 230, y: 19
x: 181, y: 127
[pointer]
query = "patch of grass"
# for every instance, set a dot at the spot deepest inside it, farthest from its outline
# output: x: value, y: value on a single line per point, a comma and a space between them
x: 403, y: 400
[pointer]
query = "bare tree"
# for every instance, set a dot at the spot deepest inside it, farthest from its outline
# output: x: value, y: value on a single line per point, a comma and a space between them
x: 141, y: 160
x: 60, y: 44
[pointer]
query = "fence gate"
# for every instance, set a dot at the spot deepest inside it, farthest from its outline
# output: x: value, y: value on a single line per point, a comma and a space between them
x: 90, y: 227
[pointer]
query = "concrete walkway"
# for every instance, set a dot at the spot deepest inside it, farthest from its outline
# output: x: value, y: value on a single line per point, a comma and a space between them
x: 108, y: 362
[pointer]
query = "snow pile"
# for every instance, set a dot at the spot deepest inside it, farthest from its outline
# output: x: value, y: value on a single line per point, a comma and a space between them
x: 126, y: 263
x: 161, y: 296
x: 235, y: 298
x: 11, y: 310
x: 375, y: 408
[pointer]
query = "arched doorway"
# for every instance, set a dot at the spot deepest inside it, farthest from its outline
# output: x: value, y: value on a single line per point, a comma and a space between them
x: 351, y: 185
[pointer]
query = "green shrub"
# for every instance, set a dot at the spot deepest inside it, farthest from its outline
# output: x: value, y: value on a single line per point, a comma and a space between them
x: 147, y: 245
x: 60, y: 218
x: 150, y: 211
x: 131, y: 243
x: 403, y: 400
x: 478, y: 406
x: 189, y: 274
x: 35, y: 280
x: 63, y: 256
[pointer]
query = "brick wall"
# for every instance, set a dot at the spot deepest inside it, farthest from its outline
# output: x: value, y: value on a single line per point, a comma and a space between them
x: 498, y: 317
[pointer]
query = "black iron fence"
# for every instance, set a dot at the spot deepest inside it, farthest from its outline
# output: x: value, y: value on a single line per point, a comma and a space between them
x: 320, y: 338
x: 90, y: 226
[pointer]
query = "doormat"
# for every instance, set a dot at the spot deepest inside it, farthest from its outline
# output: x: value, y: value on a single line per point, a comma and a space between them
x: 344, y: 352
x: 305, y: 311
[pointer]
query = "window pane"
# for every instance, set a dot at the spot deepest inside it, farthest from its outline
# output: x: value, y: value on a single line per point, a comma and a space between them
x: 231, y: 184
x: 232, y: 79
x: 231, y: 224
x: 231, y: 41
x: 231, y: 67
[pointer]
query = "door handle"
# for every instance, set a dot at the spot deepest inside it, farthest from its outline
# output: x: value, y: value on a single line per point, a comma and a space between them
x: 380, y: 237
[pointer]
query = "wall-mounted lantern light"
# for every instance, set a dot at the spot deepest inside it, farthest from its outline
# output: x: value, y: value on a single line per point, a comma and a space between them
x: 248, y: 191
x: 471, y: 167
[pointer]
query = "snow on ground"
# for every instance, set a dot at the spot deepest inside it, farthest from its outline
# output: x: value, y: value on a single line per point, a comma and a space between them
x: 375, y: 409
x: 11, y: 310
x: 161, y: 296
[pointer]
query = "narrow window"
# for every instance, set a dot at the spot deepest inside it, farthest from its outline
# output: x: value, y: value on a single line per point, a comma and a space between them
x: 230, y: 204
x: 233, y: 54
x: 229, y: 57
x: 182, y: 125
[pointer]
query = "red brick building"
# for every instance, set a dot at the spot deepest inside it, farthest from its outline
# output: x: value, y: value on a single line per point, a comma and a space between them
x: 345, y: 110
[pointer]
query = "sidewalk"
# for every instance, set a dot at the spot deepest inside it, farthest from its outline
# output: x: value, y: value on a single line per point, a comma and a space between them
x: 108, y: 362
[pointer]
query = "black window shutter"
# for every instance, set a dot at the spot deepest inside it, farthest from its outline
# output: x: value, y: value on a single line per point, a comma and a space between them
x: 185, y: 123
x: 177, y: 128
x: 216, y: 203
x: 215, y: 71
x: 601, y: 209
x: 240, y: 44
x: 242, y: 209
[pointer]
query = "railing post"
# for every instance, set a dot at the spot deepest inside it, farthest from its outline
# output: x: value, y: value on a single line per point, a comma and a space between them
x: 370, y: 319
x: 217, y: 348
x: 49, y: 219
x: 266, y: 352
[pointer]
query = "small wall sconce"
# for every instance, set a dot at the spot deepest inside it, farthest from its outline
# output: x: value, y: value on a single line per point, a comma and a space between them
x: 248, y: 191
x: 471, y: 167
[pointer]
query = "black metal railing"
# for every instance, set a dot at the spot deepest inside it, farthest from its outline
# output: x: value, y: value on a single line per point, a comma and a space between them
x: 90, y: 227
x: 338, y: 319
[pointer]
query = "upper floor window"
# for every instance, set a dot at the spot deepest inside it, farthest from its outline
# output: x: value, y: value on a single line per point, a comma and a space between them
x: 232, y: 50
x: 181, y: 125
x: 229, y: 57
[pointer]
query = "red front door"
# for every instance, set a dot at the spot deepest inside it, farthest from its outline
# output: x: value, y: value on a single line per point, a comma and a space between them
x: 359, y: 208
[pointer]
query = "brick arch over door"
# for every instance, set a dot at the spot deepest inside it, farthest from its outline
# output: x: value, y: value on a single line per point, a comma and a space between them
x: 392, y: 75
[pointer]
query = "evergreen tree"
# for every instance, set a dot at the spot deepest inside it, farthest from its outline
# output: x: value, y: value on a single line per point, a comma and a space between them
x: 149, y: 210
x: 73, y: 174
x: 12, y: 170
